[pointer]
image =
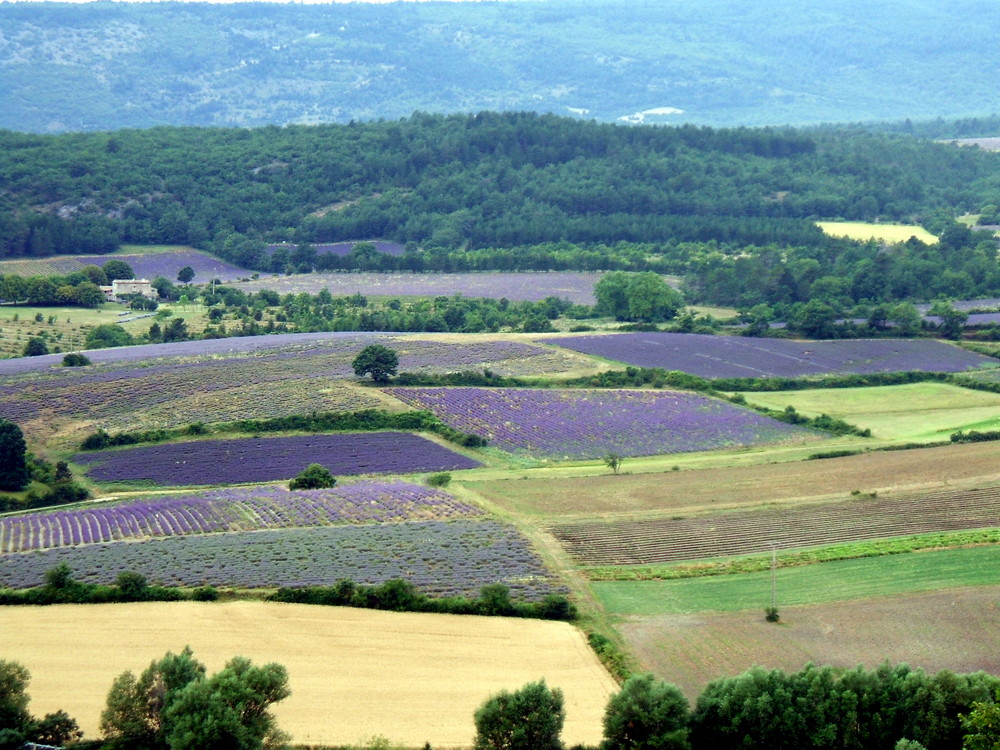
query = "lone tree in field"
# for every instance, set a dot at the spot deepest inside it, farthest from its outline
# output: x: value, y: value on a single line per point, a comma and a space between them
x: 528, y: 719
x: 185, y: 275
x: 376, y: 360
x: 313, y: 477
x: 613, y: 461
x: 13, y: 457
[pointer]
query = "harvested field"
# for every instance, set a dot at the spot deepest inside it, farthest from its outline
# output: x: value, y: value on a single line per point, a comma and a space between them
x: 354, y: 674
x: 863, y: 231
x: 955, y: 629
x: 674, y: 492
x: 748, y: 532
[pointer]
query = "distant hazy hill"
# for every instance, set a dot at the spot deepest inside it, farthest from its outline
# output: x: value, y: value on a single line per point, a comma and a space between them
x: 112, y: 65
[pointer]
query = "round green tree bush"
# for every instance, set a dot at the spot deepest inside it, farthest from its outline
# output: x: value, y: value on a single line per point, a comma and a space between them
x: 647, y: 714
x: 376, y: 360
x: 313, y: 477
x: 527, y: 719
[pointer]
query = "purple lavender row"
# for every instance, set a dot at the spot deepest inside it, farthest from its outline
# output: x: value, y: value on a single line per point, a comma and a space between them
x: 576, y: 424
x: 151, y: 265
x: 231, y: 509
x: 443, y: 558
x: 745, y: 357
x: 245, y: 460
x: 530, y: 286
x: 116, y: 392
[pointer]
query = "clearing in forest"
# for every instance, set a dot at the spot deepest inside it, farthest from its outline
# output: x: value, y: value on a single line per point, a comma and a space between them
x: 354, y: 674
x: 863, y: 231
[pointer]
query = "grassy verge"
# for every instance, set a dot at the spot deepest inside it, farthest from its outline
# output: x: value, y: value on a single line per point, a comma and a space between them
x: 840, y: 580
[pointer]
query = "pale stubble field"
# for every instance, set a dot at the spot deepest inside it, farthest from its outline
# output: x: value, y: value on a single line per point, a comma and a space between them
x: 354, y: 674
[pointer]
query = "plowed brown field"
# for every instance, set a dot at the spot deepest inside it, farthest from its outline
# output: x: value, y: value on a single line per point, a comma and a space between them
x: 957, y: 629
x: 717, y: 488
x: 660, y: 540
x: 354, y: 674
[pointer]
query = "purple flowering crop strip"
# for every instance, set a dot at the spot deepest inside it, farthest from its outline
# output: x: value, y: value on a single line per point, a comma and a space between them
x: 442, y: 558
x: 748, y: 357
x: 167, y: 265
x: 526, y: 286
x: 230, y: 509
x: 578, y: 424
x: 244, y: 460
x: 229, y: 379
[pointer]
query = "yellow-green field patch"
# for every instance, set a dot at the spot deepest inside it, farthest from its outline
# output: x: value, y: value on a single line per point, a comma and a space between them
x: 839, y: 580
x: 860, y: 230
x: 920, y: 412
x: 354, y: 674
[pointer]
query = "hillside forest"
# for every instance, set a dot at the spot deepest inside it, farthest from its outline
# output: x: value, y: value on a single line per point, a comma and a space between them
x: 732, y: 211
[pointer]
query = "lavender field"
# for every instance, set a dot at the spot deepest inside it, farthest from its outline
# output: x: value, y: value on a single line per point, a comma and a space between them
x: 519, y: 287
x: 747, y: 357
x: 145, y: 265
x: 442, y: 558
x: 580, y: 424
x: 245, y: 460
x: 216, y: 381
x: 230, y: 509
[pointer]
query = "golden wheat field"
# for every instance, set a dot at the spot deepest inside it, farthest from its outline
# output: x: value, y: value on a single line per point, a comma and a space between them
x: 860, y: 230
x: 354, y: 674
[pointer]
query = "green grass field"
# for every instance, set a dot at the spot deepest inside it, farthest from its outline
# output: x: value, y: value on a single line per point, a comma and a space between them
x: 812, y: 584
x: 918, y: 412
x: 860, y: 230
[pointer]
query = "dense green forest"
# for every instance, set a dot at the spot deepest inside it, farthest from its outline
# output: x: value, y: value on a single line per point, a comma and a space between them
x: 732, y: 210
x: 103, y: 65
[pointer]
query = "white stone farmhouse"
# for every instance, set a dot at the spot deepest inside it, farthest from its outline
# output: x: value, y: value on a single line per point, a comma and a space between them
x: 123, y: 287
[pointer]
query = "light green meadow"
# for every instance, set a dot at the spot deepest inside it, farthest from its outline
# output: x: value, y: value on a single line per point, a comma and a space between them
x: 810, y: 584
x: 917, y: 412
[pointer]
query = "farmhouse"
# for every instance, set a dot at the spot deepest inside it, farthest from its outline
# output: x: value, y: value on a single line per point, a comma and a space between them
x: 123, y: 287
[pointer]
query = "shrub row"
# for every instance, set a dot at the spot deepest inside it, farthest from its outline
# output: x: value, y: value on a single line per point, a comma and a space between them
x: 398, y: 595
x: 365, y: 420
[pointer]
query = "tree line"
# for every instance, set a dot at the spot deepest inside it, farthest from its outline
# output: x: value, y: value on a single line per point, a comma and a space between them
x: 733, y: 209
x: 174, y: 705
